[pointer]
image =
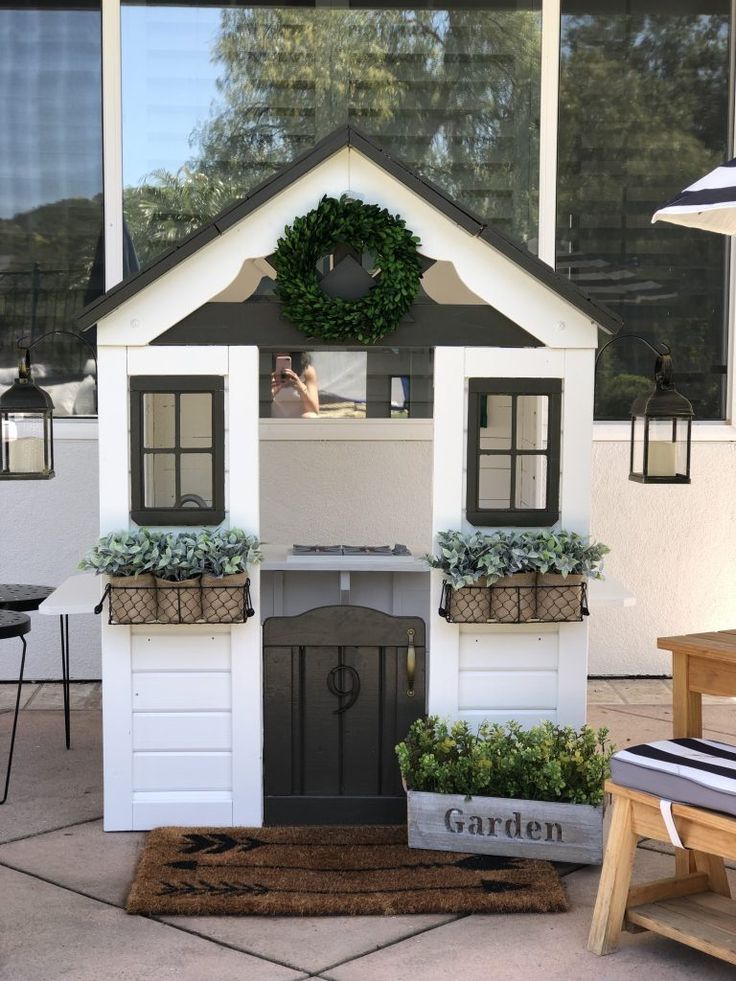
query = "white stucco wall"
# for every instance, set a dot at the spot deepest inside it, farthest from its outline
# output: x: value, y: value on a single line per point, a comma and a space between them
x: 673, y: 546
x: 351, y: 493
x: 45, y: 526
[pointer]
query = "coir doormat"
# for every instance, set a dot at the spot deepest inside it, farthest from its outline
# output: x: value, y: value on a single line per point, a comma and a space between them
x: 325, y: 871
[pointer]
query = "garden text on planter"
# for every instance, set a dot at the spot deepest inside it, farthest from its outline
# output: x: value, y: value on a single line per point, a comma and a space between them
x: 512, y: 827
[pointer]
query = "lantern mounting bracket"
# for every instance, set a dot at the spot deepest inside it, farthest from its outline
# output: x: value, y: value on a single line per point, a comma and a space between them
x: 24, y: 364
x: 657, y: 463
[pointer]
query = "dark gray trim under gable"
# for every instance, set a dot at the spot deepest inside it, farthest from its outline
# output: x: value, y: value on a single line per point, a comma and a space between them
x: 337, y: 140
x: 260, y: 322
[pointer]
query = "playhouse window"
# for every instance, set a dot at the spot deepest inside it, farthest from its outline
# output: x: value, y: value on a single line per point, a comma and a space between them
x: 177, y: 435
x: 513, y: 451
x: 378, y: 383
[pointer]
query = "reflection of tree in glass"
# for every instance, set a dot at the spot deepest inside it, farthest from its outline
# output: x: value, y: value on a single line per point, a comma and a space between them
x: 454, y: 94
x: 47, y: 256
x: 643, y: 113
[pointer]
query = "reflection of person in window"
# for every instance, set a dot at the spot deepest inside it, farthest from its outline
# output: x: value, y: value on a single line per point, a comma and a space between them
x: 294, y: 390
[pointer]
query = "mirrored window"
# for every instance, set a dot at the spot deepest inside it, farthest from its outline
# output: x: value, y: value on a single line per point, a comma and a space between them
x: 177, y: 438
x: 513, y: 470
x: 644, y: 112
x: 378, y: 383
x: 51, y: 250
x: 217, y: 96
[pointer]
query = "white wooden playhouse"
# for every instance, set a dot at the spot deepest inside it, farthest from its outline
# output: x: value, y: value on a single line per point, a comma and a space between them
x: 184, y: 704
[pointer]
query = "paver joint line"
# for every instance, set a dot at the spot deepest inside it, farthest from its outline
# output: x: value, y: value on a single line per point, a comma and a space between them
x: 223, y: 943
x: 48, y: 831
x: 399, y: 940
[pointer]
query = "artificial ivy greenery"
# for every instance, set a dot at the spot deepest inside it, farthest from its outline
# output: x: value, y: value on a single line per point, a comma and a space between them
x: 367, y: 228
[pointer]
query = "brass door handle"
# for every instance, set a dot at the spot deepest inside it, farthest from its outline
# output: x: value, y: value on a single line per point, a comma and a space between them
x: 411, y: 661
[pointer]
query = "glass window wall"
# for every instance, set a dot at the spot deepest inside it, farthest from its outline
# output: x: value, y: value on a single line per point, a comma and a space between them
x: 216, y: 97
x: 644, y: 112
x: 51, y: 254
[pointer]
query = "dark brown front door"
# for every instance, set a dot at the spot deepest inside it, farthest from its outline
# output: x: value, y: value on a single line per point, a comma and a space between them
x: 338, y: 696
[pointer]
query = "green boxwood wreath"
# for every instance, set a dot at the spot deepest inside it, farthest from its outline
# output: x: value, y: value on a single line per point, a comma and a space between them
x: 367, y: 227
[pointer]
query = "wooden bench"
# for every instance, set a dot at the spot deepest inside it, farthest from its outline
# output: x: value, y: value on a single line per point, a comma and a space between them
x: 692, y: 907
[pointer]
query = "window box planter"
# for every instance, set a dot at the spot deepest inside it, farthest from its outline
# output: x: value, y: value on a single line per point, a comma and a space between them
x: 502, y: 826
x: 132, y: 598
x: 223, y: 598
x: 511, y: 600
x: 179, y: 602
x: 560, y: 598
x: 183, y: 602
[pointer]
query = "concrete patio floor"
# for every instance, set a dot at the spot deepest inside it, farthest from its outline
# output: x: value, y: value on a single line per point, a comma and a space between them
x: 63, y: 884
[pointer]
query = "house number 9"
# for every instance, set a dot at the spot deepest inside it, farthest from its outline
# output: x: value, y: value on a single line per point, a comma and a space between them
x: 350, y: 693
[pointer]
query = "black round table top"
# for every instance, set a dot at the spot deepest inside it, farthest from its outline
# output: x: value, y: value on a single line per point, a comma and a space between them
x: 13, y: 624
x: 22, y: 598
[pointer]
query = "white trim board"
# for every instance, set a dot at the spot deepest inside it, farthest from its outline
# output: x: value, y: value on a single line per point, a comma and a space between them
x: 703, y: 432
x: 352, y: 430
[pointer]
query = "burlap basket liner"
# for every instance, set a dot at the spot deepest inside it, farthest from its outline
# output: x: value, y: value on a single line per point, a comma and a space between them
x: 559, y: 598
x: 470, y: 604
x: 223, y: 598
x: 514, y: 598
x: 134, y: 599
x: 179, y: 602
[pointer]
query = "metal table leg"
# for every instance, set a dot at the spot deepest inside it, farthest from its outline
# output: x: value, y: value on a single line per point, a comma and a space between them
x: 64, y: 632
x: 15, y: 721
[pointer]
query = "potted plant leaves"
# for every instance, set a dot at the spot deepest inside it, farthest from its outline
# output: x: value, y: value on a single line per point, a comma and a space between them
x: 127, y: 558
x: 564, y: 560
x: 226, y: 555
x: 515, y: 577
x: 506, y: 790
x: 469, y: 561
x: 514, y: 595
x: 177, y: 569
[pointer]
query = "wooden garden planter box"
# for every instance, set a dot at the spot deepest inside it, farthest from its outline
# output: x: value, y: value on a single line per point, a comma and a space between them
x: 502, y: 826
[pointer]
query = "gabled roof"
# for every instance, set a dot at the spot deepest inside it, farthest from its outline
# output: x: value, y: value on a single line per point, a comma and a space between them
x: 349, y: 137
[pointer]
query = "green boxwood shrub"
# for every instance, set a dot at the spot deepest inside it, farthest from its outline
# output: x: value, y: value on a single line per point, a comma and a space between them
x: 545, y: 762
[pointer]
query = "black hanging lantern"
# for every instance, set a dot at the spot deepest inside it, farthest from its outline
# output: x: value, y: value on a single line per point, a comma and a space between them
x: 26, y: 436
x: 661, y: 430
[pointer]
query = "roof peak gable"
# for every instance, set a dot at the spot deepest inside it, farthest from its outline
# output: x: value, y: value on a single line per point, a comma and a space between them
x: 348, y: 137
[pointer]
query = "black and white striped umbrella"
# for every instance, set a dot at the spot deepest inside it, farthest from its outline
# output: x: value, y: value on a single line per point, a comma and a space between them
x: 709, y: 203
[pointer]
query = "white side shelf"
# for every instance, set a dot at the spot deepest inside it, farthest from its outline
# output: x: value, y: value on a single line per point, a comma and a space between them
x: 77, y: 594
x: 608, y: 592
x: 278, y: 558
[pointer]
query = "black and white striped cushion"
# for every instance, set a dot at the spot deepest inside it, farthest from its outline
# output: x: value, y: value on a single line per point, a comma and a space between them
x: 692, y: 771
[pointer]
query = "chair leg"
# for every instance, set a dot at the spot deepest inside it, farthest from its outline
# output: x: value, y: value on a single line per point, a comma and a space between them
x: 15, y: 720
x: 613, y: 889
x: 714, y: 866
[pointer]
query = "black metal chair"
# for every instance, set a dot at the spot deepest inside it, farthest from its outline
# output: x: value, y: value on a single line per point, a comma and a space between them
x: 13, y: 624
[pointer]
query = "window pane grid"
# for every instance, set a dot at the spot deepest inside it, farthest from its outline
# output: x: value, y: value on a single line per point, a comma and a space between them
x: 179, y: 484
x: 517, y: 481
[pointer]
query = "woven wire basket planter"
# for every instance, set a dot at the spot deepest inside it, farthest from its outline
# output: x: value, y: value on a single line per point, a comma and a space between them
x: 183, y: 605
x: 514, y: 604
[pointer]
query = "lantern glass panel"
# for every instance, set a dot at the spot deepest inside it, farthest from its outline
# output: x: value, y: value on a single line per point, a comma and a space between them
x: 662, y: 449
x: 681, y: 441
x: 637, y: 444
x: 23, y: 435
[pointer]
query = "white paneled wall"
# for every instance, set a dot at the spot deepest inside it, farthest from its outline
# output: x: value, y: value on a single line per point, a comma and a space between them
x: 501, y: 672
x: 181, y: 722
